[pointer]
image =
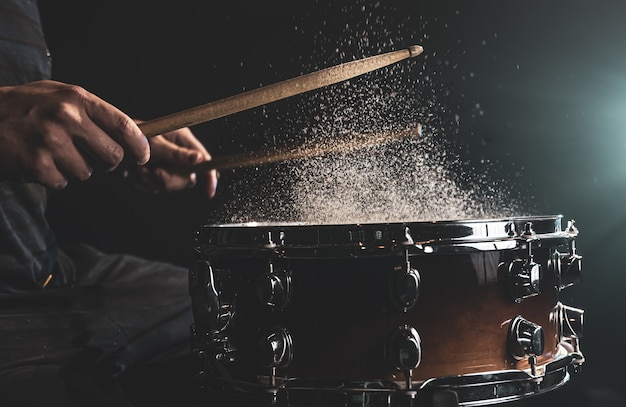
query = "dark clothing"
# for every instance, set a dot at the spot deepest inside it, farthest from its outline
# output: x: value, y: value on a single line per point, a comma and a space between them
x: 28, y: 251
x: 97, y: 314
x: 27, y: 245
x: 69, y: 342
x: 24, y: 56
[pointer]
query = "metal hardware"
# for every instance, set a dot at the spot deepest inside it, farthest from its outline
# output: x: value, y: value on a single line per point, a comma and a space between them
x: 528, y: 232
x: 276, y: 351
x: 221, y: 349
x: 405, y: 351
x: 404, y: 286
x: 524, y: 279
x: 509, y: 229
x: 479, y: 389
x: 571, y: 330
x: 526, y: 339
x: 525, y: 274
x: 570, y: 270
x: 571, y: 228
x: 569, y: 265
x: 293, y: 240
x: 211, y: 316
x: 571, y: 322
x: 274, y: 288
x: 224, y: 350
x: 210, y: 311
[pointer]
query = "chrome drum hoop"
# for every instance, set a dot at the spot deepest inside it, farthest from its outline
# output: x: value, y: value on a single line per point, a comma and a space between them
x: 469, y: 390
x: 301, y: 240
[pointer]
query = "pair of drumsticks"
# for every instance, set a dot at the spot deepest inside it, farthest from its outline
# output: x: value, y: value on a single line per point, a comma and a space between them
x: 278, y: 91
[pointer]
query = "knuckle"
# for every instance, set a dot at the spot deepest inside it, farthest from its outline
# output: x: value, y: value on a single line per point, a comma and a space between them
x: 125, y: 125
x: 72, y: 92
x: 52, y: 141
x: 66, y: 112
x: 67, y: 105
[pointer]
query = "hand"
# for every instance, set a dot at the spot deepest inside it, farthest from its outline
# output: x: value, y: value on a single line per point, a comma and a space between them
x: 172, y: 165
x: 51, y: 132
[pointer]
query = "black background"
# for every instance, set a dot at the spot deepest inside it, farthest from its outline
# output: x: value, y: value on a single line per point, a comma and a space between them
x: 536, y: 88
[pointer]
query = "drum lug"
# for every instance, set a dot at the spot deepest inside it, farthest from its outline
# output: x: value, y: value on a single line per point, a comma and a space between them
x: 405, y: 351
x: 274, y: 288
x: 569, y: 265
x: 209, y: 310
x: 525, y: 274
x: 211, y: 315
x: 571, y: 327
x: 276, y: 351
x: 526, y: 341
x: 571, y: 322
x: 404, y: 286
x: 524, y: 279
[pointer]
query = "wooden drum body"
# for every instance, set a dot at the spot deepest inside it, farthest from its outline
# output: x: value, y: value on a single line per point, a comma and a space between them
x: 410, y: 314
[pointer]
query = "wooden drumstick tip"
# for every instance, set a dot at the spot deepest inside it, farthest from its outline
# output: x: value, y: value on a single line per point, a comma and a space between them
x: 415, y: 50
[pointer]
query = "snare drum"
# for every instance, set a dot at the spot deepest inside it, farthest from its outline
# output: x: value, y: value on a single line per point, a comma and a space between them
x: 442, y: 313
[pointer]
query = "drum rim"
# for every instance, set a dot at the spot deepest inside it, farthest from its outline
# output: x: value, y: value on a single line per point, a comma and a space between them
x: 474, y: 389
x: 442, y: 222
x: 294, y: 240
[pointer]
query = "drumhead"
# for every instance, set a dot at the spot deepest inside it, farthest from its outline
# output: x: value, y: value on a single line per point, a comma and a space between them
x: 306, y: 240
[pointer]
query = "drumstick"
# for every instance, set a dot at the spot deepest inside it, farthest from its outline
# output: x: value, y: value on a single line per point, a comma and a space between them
x: 274, y: 92
x: 307, y: 151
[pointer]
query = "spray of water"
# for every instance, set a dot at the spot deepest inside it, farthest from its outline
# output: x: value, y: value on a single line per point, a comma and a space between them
x: 416, y: 179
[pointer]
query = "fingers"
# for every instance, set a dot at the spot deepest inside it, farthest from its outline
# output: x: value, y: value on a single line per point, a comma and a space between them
x: 185, y: 138
x: 207, y: 178
x: 51, y: 132
x: 74, y: 132
x: 159, y: 179
x: 166, y: 151
x: 175, y: 180
x: 56, y: 159
x: 103, y: 151
x: 209, y: 183
x: 73, y: 164
x: 46, y: 172
x: 54, y: 170
x: 100, y: 126
x: 181, y: 150
x: 177, y: 164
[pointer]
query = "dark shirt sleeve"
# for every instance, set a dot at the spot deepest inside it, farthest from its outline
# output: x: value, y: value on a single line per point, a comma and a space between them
x: 27, y: 244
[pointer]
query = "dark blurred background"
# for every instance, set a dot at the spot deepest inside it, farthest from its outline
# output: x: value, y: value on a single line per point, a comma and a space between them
x: 532, y: 92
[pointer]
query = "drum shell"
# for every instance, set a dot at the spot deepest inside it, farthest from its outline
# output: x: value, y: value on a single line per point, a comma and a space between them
x: 341, y: 313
